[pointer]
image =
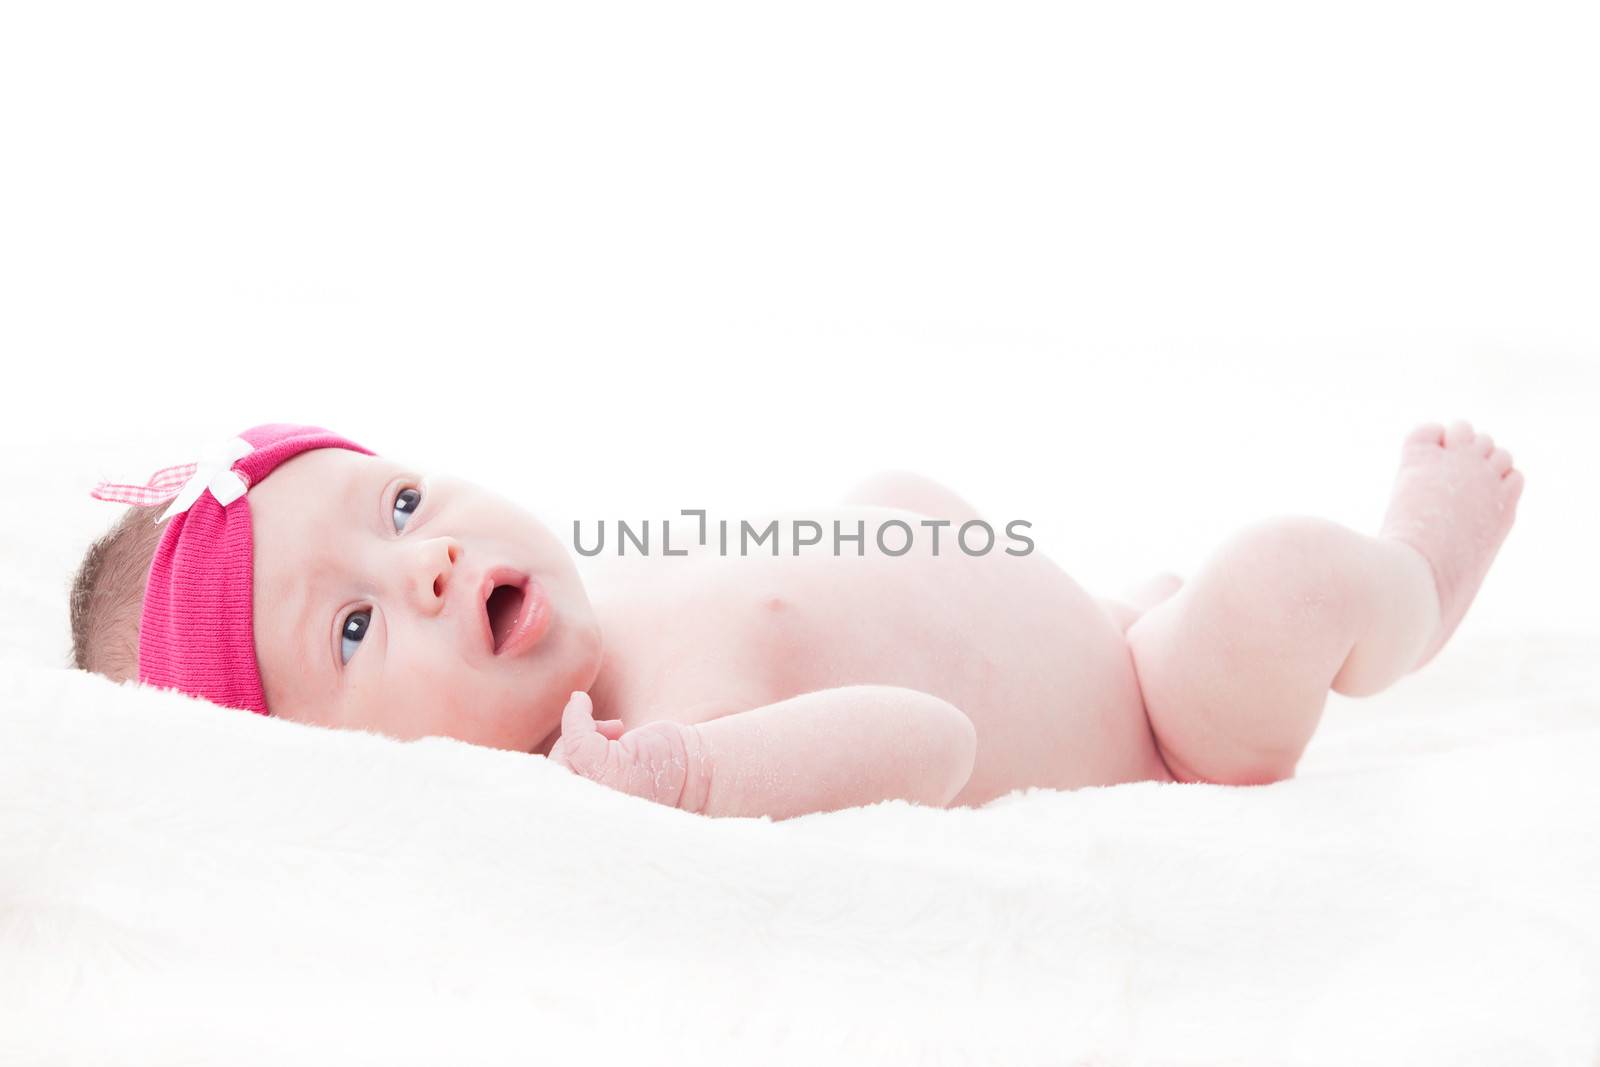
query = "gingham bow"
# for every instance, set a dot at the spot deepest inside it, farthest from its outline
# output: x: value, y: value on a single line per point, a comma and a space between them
x: 186, y: 482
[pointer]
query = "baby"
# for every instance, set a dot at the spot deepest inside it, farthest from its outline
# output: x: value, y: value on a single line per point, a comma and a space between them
x: 299, y: 575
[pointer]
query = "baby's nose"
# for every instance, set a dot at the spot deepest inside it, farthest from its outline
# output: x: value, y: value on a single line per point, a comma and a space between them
x: 433, y: 571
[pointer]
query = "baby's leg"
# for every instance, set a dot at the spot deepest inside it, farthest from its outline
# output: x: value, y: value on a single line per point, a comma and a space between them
x: 1236, y: 667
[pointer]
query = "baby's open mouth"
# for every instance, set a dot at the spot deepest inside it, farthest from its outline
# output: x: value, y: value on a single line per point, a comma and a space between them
x: 505, y: 609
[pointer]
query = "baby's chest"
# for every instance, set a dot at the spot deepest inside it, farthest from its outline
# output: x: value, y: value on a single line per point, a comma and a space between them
x: 695, y: 650
x: 706, y: 658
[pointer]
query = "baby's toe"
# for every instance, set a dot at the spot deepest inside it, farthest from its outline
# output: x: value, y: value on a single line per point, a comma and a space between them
x: 1483, y: 444
x: 1429, y: 433
x: 1458, y: 433
x: 1499, y: 461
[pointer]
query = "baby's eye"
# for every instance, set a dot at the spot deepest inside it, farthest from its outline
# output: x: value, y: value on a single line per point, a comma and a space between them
x: 406, y: 504
x: 355, y: 628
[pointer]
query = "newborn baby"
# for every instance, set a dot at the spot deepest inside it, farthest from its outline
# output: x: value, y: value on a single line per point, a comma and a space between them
x: 371, y: 595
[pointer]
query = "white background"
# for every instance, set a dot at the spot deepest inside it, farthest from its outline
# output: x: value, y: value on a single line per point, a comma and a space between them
x: 1137, y: 272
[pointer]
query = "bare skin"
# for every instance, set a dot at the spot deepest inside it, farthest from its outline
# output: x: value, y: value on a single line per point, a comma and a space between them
x: 776, y: 686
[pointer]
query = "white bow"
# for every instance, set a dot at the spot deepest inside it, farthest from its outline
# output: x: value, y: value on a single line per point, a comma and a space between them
x: 213, y: 471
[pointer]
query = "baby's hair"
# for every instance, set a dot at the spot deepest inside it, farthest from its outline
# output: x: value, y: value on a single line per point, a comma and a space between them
x: 108, y: 596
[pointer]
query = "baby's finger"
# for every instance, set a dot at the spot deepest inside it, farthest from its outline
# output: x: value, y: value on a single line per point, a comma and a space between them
x: 611, y: 729
x: 578, y: 716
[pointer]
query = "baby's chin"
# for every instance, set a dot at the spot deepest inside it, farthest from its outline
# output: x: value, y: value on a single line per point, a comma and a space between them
x: 579, y: 647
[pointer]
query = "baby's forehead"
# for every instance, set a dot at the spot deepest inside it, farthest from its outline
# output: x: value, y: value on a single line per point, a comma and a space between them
x: 323, y: 476
x: 300, y: 512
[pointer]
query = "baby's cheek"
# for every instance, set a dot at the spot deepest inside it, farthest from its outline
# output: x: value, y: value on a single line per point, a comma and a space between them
x: 483, y: 708
x: 428, y: 699
x: 463, y: 705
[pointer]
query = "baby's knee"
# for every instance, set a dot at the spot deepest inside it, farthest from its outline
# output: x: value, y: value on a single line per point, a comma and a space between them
x: 1294, y: 559
x: 1291, y: 540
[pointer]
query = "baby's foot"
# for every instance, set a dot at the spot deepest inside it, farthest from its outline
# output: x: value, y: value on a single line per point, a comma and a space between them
x: 1454, y: 500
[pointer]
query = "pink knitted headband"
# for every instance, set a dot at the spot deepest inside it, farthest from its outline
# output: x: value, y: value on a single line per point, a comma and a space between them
x: 196, y: 633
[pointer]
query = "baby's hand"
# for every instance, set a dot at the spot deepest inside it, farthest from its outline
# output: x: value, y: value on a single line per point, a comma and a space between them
x: 651, y: 762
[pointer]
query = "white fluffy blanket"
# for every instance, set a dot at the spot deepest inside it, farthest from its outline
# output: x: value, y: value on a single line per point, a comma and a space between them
x: 184, y: 885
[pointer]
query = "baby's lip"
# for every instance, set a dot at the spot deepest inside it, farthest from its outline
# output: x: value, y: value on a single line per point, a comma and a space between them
x: 532, y: 612
x: 493, y: 580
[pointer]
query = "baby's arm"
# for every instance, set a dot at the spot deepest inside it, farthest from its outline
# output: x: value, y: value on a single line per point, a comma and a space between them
x: 821, y: 751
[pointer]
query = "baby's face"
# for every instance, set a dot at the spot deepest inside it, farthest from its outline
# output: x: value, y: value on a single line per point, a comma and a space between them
x: 373, y: 605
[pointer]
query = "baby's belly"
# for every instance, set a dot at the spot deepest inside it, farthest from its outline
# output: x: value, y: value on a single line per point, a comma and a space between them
x: 1031, y: 657
x: 1014, y: 642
